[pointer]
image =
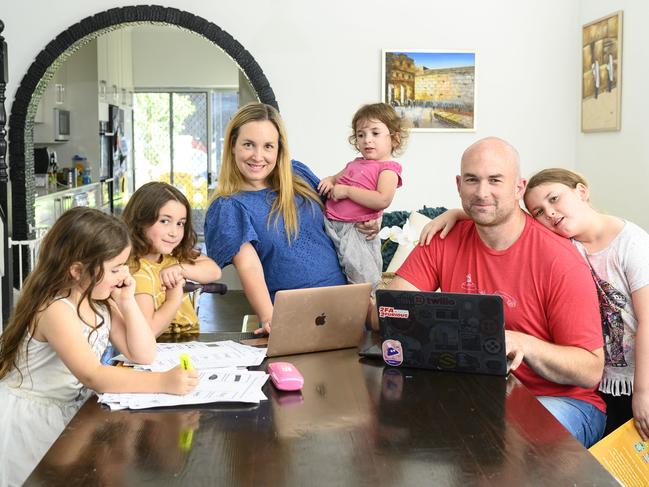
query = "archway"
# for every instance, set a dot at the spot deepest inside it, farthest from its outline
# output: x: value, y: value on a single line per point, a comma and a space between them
x: 47, y: 61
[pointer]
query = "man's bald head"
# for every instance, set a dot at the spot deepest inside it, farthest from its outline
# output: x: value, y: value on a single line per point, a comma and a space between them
x: 493, y: 147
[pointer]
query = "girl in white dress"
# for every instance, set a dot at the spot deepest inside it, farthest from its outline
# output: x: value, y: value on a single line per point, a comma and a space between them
x: 79, y: 295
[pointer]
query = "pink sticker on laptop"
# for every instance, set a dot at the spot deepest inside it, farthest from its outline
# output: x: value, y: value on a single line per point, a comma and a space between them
x: 392, y: 352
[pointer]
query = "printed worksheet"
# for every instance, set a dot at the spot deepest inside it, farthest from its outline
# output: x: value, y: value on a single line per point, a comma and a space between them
x: 222, y: 375
x: 203, y: 355
x: 214, y: 385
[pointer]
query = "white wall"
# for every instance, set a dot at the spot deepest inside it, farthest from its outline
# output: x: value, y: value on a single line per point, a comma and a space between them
x: 323, y: 61
x: 82, y: 103
x: 617, y: 163
x: 167, y: 57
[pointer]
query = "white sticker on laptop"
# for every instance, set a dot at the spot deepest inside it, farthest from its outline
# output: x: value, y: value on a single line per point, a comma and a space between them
x: 391, y: 312
x: 392, y: 352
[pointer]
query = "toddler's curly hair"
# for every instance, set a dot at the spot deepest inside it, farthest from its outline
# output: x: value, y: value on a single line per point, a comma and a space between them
x: 386, y: 114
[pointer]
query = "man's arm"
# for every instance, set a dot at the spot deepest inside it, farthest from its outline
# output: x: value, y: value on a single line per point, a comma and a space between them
x: 560, y: 364
x: 397, y: 284
x: 417, y: 273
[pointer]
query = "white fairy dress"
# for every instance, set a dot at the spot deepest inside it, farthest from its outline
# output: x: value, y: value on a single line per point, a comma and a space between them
x: 34, y: 413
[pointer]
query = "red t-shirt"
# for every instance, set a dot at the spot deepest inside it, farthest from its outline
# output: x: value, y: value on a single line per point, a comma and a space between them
x: 546, y: 286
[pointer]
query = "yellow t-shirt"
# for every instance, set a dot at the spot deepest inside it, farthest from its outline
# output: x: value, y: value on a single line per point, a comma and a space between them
x: 147, y: 281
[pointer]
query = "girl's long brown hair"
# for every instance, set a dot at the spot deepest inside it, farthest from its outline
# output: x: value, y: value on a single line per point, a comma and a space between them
x: 282, y: 180
x: 80, y: 236
x: 142, y: 211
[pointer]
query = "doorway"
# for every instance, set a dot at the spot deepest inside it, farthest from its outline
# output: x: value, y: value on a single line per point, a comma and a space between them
x: 42, y: 71
x: 178, y: 139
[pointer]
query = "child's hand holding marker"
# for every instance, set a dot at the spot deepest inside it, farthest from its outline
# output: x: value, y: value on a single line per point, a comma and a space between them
x: 186, y: 362
x: 182, y: 379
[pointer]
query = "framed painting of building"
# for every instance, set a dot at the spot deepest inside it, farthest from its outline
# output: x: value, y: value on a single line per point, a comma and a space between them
x: 601, y: 85
x: 434, y: 90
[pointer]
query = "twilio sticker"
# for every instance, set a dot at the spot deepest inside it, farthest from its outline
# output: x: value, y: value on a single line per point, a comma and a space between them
x: 392, y: 352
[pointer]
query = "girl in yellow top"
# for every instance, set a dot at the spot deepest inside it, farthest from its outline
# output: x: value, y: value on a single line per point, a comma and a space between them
x: 163, y: 257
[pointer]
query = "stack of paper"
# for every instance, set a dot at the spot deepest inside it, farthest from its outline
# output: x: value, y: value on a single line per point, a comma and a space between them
x: 222, y: 376
x: 204, y: 355
x: 216, y: 385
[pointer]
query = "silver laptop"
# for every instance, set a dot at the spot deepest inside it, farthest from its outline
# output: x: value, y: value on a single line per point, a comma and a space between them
x: 317, y: 319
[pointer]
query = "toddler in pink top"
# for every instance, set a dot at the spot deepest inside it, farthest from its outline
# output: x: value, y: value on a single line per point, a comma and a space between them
x: 363, y: 189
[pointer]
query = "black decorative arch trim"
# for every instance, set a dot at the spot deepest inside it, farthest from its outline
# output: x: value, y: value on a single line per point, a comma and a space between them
x: 21, y: 155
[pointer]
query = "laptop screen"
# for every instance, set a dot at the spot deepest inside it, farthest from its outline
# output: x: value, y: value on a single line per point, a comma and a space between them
x: 443, y: 331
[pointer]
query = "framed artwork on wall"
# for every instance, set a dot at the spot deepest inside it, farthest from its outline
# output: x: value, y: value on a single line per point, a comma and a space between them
x: 601, y: 85
x: 434, y: 90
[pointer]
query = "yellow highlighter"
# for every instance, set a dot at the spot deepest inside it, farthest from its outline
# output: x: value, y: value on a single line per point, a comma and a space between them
x: 185, y: 439
x: 186, y: 435
x: 186, y: 362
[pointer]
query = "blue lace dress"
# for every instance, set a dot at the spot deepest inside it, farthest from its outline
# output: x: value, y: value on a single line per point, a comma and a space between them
x: 308, y: 261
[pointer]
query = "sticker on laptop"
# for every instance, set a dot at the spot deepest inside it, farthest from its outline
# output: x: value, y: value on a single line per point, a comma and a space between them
x: 391, y: 312
x: 392, y: 352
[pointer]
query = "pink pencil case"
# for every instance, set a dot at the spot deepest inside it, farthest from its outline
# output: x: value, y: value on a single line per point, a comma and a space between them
x: 285, y: 376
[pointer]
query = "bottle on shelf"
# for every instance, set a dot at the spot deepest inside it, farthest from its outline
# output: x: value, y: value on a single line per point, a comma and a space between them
x: 52, y: 172
x: 81, y: 164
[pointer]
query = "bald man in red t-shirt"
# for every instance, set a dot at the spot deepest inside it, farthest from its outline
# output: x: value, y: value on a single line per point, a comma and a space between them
x: 552, y: 323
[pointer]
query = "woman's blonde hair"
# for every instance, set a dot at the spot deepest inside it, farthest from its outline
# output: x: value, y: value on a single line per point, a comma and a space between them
x: 80, y: 236
x: 282, y: 180
x: 556, y: 175
x: 387, y: 115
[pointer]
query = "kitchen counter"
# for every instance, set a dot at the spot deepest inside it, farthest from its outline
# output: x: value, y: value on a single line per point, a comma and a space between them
x: 62, y: 189
x: 49, y: 205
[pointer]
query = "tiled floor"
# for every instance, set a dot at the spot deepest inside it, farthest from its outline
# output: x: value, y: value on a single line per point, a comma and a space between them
x: 222, y: 312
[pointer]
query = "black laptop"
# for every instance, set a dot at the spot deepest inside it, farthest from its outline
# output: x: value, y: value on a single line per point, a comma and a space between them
x: 442, y: 331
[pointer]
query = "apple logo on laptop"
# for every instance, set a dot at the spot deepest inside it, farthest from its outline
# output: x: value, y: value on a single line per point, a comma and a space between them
x: 321, y: 320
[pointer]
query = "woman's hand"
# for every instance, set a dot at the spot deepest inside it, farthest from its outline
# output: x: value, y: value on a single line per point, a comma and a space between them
x: 172, y: 275
x: 264, y: 329
x: 326, y: 185
x: 443, y: 223
x: 640, y: 405
x: 180, y: 381
x: 370, y: 228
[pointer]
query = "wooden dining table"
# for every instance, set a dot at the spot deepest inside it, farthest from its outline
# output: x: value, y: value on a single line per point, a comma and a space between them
x: 356, y: 422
